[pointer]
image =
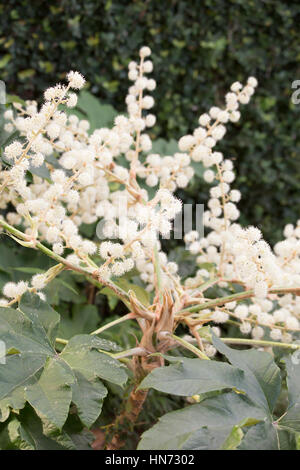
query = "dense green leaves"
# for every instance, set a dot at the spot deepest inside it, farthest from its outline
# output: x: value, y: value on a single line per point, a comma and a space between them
x: 36, y: 373
x: 203, y: 426
x: 242, y: 418
x: 237, y: 400
x: 25, y: 431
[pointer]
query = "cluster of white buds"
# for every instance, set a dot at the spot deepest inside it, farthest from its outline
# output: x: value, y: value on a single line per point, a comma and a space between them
x: 70, y: 184
x: 13, y: 291
x: 79, y: 168
x: 279, y: 317
x: 237, y: 255
x: 171, y: 172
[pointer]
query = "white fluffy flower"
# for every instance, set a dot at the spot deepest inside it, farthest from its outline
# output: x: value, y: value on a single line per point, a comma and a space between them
x: 13, y: 150
x: 38, y: 281
x: 145, y: 51
x: 219, y: 316
x: 76, y: 80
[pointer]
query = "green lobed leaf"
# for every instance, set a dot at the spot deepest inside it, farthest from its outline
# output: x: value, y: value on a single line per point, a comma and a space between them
x: 262, y: 436
x: 19, y: 371
x: 291, y: 419
x: 192, y: 376
x: 51, y: 395
x: 206, y: 425
x: 34, y: 372
x: 81, y: 356
x: 88, y: 397
x: 20, y: 332
x: 40, y: 312
x: 262, y: 380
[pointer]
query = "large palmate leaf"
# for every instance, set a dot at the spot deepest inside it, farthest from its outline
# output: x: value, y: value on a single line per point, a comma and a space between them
x: 191, y: 376
x: 35, y: 372
x: 18, y: 372
x: 262, y: 381
x: 262, y: 436
x: 221, y: 421
x: 82, y: 355
x: 202, y: 426
x: 39, y: 311
x: 26, y: 431
x: 88, y: 397
x: 51, y: 395
x: 291, y: 419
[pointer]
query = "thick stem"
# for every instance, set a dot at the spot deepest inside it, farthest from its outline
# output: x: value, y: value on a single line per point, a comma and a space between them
x: 132, y: 411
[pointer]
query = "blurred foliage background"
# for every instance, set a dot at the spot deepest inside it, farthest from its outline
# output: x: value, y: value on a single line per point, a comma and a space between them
x: 199, y: 48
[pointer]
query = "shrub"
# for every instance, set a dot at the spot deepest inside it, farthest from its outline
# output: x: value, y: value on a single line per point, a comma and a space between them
x: 56, y: 179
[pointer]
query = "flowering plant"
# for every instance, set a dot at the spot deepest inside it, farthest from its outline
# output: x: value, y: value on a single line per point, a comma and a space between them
x: 57, y: 177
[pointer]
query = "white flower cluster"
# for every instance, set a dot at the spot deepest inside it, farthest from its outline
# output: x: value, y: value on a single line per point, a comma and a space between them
x: 70, y: 185
x: 78, y: 169
x: 238, y: 255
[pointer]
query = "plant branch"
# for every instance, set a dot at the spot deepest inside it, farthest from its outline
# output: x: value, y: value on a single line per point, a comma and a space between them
x: 93, y: 277
x: 189, y: 346
x: 259, y: 342
x: 235, y: 297
x: 129, y: 316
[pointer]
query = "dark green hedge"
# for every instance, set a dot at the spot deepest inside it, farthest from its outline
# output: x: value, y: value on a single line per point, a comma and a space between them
x: 199, y: 48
